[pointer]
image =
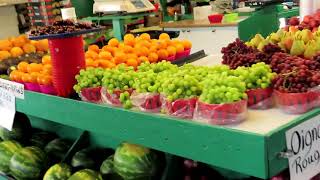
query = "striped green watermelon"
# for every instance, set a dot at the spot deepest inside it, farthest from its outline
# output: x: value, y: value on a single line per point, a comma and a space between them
x: 57, y: 149
x: 20, y: 131
x: 58, y: 172
x: 7, y: 150
x: 133, y: 162
x: 86, y: 174
x: 41, y: 138
x: 28, y: 163
x: 107, y: 166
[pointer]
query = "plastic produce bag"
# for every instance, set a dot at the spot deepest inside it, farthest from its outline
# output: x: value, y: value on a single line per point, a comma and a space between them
x: 149, y: 102
x: 296, y: 103
x: 260, y: 98
x: 182, y: 108
x: 221, y: 114
x: 91, y: 95
x: 114, y: 97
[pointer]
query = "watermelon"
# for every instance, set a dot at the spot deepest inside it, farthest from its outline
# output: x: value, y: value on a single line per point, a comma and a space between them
x: 134, y: 162
x: 58, y: 172
x: 7, y: 150
x: 28, y: 163
x: 89, y: 158
x: 107, y: 166
x: 57, y: 149
x: 86, y: 174
x: 41, y: 138
x: 20, y: 130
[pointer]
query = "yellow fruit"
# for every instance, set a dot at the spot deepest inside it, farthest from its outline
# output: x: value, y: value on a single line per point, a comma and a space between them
x: 113, y: 42
x: 94, y: 48
x: 145, y: 36
x: 186, y: 44
x: 5, y: 45
x: 163, y: 54
x: 172, y: 51
x: 4, y: 55
x: 179, y: 47
x: 105, y: 55
x: 16, y: 52
x: 43, y: 45
x: 164, y: 36
x: 129, y: 40
x: 29, y: 48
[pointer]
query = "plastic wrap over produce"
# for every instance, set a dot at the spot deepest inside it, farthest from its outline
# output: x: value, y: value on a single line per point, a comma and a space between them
x: 149, y: 102
x: 260, y: 98
x: 182, y: 108
x: 221, y: 114
x: 112, y: 98
x: 297, y: 103
x: 91, y: 95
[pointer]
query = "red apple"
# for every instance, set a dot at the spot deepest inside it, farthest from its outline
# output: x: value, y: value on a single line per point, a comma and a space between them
x: 307, y: 19
x: 294, y: 21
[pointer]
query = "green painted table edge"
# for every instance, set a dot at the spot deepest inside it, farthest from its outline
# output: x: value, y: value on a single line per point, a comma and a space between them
x: 240, y: 151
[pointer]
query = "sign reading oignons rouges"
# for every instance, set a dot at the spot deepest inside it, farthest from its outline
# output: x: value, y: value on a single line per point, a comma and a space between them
x: 303, y: 141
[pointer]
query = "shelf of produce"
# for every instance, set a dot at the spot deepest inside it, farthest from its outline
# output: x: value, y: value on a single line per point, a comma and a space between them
x: 251, y: 147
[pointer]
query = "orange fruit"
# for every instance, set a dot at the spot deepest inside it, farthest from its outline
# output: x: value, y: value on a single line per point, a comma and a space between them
x: 186, y: 44
x: 16, y: 52
x: 153, y: 57
x: 172, y: 51
x: 44, y: 80
x: 23, y: 66
x: 94, y: 48
x: 119, y: 57
x: 145, y: 43
x: 103, y: 63
x: 113, y: 42
x: 4, y: 55
x: 144, y: 51
x: 162, y: 44
x: 142, y: 59
x: 132, y: 55
x: 16, y: 76
x: 5, y: 45
x: 105, y: 55
x: 18, y: 41
x: 132, y: 62
x: 128, y: 49
x: 33, y: 77
x: 129, y: 39
x: 164, y: 36
x: 26, y: 78
x: 138, y: 39
x: 29, y: 48
x: 121, y: 45
x: 145, y: 36
x: 47, y: 69
x: 163, y: 54
x: 91, y: 54
x: 46, y: 59
x: 43, y: 45
x: 179, y: 47
x: 89, y: 62
x: 34, y: 67
x: 153, y: 48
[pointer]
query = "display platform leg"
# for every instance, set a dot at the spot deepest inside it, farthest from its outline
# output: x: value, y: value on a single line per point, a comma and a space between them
x: 118, y: 28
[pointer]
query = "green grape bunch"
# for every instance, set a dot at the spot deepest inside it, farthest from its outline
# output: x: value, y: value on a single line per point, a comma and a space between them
x: 146, y: 82
x: 91, y: 77
x: 158, y: 67
x: 258, y: 75
x: 180, y: 86
x: 222, y: 88
x: 119, y: 78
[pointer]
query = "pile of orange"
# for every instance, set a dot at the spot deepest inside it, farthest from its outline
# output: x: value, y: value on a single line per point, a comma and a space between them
x: 134, y: 50
x: 34, y: 73
x: 17, y: 46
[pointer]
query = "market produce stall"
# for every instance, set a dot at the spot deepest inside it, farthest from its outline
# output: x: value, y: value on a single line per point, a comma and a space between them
x: 233, y: 115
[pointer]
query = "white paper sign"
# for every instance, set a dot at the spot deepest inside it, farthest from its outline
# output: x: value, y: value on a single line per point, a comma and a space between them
x: 304, y: 142
x: 16, y: 88
x: 7, y: 109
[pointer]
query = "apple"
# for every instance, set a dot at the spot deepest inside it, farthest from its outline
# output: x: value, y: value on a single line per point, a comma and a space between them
x: 294, y: 21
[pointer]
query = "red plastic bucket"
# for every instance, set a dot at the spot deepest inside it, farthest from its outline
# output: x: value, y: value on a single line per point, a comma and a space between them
x: 67, y: 60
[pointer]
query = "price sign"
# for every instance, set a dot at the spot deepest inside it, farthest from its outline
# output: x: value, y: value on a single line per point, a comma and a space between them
x: 304, y: 143
x: 16, y: 89
x: 7, y: 109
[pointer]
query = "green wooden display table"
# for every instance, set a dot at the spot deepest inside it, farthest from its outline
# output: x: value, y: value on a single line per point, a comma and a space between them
x: 250, y: 148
